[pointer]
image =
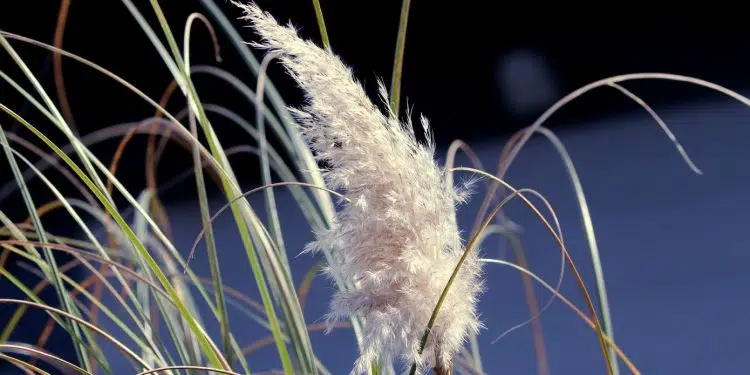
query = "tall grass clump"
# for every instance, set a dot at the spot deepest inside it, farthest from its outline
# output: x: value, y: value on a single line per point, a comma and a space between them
x: 382, y: 210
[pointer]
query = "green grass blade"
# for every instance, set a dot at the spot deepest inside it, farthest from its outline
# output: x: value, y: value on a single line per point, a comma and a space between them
x: 120, y: 324
x: 321, y: 24
x: 241, y: 218
x: 155, y: 42
x: 54, y: 311
x: 35, y: 352
x: 16, y: 317
x: 588, y: 226
x: 208, y: 347
x: 398, y: 59
x: 53, y: 273
x: 306, y: 161
x: 77, y: 337
x: 584, y: 291
x: 95, y: 244
x: 52, y: 108
x: 250, y: 96
x: 177, y: 331
x: 200, y: 182
x: 265, y: 169
x: 278, y: 165
x: 142, y: 292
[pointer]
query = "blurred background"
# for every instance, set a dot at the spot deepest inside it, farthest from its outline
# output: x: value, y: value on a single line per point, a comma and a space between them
x: 672, y: 243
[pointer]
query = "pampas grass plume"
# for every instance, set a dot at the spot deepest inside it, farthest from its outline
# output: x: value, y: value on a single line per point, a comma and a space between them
x: 395, y: 237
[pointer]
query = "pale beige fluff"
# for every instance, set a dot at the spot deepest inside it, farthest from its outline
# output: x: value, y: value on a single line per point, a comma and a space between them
x: 396, y: 238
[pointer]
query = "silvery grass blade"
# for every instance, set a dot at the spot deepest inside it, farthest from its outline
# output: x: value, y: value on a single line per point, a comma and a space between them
x: 620, y: 354
x: 268, y: 258
x: 310, y: 210
x: 61, y: 124
x: 53, y: 272
x: 62, y: 366
x: 28, y: 368
x: 128, y: 272
x: 276, y: 269
x: 614, y: 82
x: 249, y: 94
x: 92, y: 238
x: 68, y: 205
x: 212, y: 161
x: 98, y: 137
x: 453, y: 149
x: 99, y: 356
x: 472, y: 359
x: 277, y: 164
x: 578, y: 188
x: 558, y: 240
x: 83, y: 338
x: 203, y: 202
x: 142, y: 292
x: 265, y: 169
x: 185, y: 344
x: 94, y: 213
x: 86, y: 325
x: 77, y: 289
x: 302, y: 154
x: 588, y: 226
x: 207, y: 345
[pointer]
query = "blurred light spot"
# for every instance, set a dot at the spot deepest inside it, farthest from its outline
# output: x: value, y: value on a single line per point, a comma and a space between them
x: 526, y: 82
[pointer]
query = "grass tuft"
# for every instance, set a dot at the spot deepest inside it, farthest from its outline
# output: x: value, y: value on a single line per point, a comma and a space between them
x: 138, y: 280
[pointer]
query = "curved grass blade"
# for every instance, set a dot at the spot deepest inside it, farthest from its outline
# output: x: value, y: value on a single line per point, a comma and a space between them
x: 591, y: 238
x: 208, y: 346
x: 294, y: 318
x: 77, y: 339
x: 53, y: 273
x: 633, y: 369
x: 185, y: 343
x: 103, y: 220
x: 560, y: 244
x: 307, y: 162
x: 67, y: 205
x: 271, y: 209
x: 62, y: 96
x: 62, y: 125
x: 78, y: 290
x: 213, y: 259
x: 53, y: 311
x: 80, y: 222
x: 60, y: 364
x: 24, y: 366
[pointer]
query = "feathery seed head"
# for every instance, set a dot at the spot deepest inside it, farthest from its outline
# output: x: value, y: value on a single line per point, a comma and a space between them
x: 396, y: 238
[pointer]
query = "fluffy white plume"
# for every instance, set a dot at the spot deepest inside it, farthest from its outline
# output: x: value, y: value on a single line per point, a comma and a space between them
x: 396, y: 238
